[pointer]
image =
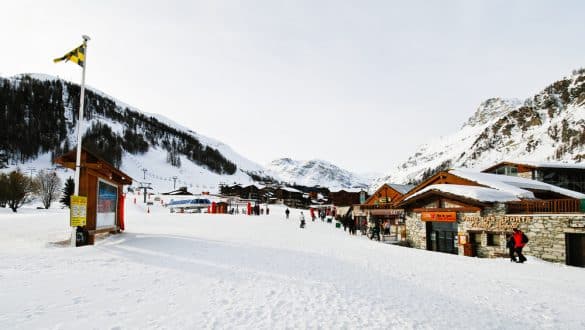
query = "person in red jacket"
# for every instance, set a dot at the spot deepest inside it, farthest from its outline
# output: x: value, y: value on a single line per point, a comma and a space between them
x: 520, y: 241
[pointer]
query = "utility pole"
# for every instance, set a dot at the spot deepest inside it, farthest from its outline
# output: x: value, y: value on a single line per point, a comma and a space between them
x: 174, y: 182
x: 31, y: 169
x: 144, y: 186
x: 79, y: 131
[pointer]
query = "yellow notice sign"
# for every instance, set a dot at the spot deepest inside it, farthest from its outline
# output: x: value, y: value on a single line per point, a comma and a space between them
x: 78, y: 211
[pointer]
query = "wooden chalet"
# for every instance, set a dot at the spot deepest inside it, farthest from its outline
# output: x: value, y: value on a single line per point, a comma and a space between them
x: 381, y: 209
x: 247, y: 192
x: 102, y: 184
x: 344, y: 198
x: 564, y: 175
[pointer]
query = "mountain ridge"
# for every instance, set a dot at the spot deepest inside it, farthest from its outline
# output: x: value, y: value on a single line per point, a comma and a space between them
x: 315, y: 172
x: 549, y: 126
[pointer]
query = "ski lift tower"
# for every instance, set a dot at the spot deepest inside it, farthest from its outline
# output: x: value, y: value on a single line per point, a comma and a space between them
x: 145, y: 186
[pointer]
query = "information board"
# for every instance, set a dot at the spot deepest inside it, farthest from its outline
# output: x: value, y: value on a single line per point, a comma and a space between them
x: 78, y: 211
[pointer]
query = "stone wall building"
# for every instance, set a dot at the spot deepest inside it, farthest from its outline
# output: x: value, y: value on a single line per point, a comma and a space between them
x: 471, y: 213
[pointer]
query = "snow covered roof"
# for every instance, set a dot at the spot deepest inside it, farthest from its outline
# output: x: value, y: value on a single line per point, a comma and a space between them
x: 538, y: 164
x: 352, y: 190
x: 481, y: 194
x: 289, y: 189
x: 401, y: 188
x: 517, y: 186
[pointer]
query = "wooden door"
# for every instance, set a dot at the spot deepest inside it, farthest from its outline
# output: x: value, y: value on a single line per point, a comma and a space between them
x: 575, y: 249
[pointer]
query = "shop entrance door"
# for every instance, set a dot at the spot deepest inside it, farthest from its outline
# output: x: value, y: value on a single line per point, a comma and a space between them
x: 442, y: 237
x: 575, y: 246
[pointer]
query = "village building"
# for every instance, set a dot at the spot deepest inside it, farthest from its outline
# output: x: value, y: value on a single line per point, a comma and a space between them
x: 471, y: 213
x: 345, y: 197
x: 290, y: 197
x: 102, y: 184
x: 182, y: 191
x: 564, y: 175
x: 380, y: 210
x: 248, y: 192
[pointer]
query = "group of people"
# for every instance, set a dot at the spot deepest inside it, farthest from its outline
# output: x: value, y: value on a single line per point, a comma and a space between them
x: 516, y: 242
x: 348, y: 223
x: 328, y: 213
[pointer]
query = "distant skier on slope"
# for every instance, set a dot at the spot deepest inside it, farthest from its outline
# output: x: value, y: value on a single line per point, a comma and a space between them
x: 302, y: 218
x: 287, y: 213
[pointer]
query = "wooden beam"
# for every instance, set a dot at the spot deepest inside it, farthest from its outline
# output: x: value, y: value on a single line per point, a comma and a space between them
x: 86, y: 165
x: 449, y: 209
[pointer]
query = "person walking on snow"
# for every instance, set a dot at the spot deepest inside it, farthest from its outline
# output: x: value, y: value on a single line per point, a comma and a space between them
x: 520, y: 241
x: 287, y: 212
x: 510, y: 245
x: 302, y: 218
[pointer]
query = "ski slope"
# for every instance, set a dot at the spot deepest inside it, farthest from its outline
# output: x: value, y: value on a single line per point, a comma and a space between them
x: 186, y: 271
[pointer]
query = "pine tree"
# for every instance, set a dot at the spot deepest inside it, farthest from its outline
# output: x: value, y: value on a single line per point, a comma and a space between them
x: 67, y: 192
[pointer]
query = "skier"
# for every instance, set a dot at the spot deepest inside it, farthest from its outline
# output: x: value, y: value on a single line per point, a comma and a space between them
x: 302, y: 218
x: 312, y: 214
x: 267, y: 210
x: 287, y: 212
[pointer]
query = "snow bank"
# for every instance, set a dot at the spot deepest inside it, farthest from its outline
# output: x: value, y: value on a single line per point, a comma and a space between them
x: 263, y: 272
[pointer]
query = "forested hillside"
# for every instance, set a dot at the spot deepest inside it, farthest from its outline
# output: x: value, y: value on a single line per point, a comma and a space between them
x: 39, y: 114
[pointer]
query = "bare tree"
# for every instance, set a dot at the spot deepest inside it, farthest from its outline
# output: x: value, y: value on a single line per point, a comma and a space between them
x: 47, y: 185
x: 18, y: 188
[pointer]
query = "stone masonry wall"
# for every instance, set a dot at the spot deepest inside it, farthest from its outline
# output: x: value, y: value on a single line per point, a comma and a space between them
x: 415, y: 230
x: 547, y: 236
x: 546, y: 232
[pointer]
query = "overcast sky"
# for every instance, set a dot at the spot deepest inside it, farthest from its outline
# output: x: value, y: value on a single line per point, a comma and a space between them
x: 357, y: 83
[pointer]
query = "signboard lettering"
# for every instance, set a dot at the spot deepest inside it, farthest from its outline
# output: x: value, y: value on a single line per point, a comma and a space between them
x: 439, y: 216
x: 577, y: 223
x: 78, y: 211
x: 497, y: 222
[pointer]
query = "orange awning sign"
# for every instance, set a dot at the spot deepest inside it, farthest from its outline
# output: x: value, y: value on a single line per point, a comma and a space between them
x: 439, y: 216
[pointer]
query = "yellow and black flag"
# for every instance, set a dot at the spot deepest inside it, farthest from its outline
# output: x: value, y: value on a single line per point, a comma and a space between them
x: 76, y: 56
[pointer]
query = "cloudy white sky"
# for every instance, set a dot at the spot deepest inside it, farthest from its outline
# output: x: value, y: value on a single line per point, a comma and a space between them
x: 357, y: 83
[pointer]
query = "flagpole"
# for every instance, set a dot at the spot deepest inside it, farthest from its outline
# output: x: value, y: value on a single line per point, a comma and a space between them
x: 79, y: 131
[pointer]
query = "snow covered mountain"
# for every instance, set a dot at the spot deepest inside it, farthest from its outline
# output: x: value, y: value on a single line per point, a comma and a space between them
x: 315, y: 172
x: 550, y: 126
x: 149, y: 147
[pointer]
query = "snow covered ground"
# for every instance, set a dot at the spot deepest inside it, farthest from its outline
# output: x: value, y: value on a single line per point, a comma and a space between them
x: 220, y: 271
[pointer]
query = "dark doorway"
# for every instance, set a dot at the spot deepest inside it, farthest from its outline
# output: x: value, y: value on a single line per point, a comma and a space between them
x: 441, y: 237
x: 474, y: 242
x: 575, y: 244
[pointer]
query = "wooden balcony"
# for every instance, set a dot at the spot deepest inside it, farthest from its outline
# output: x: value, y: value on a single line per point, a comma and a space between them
x: 545, y: 206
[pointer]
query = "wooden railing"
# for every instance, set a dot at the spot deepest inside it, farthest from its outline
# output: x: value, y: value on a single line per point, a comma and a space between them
x: 545, y: 206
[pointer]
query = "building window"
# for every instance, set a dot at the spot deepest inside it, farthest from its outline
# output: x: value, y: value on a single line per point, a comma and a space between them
x: 507, y: 170
x: 493, y: 239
